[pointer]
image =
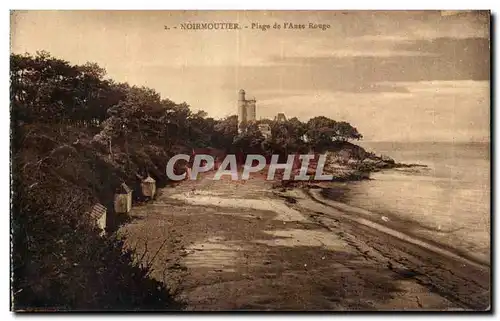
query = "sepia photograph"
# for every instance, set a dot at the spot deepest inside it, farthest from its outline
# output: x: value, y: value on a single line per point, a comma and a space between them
x: 250, y: 160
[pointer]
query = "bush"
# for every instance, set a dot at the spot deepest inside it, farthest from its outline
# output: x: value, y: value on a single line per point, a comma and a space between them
x: 59, y: 259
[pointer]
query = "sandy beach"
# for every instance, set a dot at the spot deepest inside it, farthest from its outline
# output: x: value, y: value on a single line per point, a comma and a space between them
x: 241, y: 245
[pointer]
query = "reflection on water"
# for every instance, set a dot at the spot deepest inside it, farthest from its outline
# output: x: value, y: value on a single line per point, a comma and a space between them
x: 453, y: 194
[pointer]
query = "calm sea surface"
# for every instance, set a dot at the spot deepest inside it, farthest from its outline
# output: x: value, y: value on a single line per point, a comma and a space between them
x: 451, y: 197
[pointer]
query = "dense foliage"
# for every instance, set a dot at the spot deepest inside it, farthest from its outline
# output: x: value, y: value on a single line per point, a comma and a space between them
x: 47, y: 89
x: 76, y: 136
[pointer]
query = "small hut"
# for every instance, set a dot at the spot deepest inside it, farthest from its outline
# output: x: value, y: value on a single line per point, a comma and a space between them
x: 148, y: 186
x: 98, y: 216
x: 123, y: 199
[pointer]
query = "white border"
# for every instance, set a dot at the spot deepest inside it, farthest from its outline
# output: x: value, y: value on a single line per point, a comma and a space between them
x: 195, y: 5
x: 254, y: 5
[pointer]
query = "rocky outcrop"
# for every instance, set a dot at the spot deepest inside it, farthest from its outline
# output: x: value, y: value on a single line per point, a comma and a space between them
x: 346, y: 161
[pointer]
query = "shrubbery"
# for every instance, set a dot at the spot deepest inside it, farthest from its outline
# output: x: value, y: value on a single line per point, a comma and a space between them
x: 59, y: 260
x: 75, y: 137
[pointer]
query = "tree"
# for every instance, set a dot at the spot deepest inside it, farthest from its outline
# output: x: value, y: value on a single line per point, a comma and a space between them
x: 47, y: 89
x: 322, y: 131
x: 225, y: 131
x: 344, y: 132
x: 250, y: 140
x: 286, y: 137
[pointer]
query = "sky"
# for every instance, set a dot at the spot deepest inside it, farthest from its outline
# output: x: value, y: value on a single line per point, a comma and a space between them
x: 396, y: 76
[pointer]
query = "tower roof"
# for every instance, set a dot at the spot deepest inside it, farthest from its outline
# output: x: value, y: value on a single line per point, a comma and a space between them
x: 123, y: 189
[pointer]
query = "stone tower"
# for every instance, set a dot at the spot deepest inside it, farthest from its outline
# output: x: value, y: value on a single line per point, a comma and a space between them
x: 242, y: 112
x: 251, y: 110
x: 246, y: 109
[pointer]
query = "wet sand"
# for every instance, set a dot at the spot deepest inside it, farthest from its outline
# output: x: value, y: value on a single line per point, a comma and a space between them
x: 223, y: 245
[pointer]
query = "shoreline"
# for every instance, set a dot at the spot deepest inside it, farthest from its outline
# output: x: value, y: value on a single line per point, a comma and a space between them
x: 397, y: 227
x: 222, y: 225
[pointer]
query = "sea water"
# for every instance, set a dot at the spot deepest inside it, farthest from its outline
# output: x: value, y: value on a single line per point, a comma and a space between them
x: 449, y: 201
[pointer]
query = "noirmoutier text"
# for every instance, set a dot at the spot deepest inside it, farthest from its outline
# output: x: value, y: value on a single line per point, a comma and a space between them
x: 251, y: 26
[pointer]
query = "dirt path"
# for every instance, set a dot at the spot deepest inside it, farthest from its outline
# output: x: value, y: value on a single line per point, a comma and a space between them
x: 238, y: 246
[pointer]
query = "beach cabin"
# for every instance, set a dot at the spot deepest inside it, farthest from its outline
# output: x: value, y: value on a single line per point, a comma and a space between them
x: 98, y: 216
x: 148, y: 187
x: 123, y: 199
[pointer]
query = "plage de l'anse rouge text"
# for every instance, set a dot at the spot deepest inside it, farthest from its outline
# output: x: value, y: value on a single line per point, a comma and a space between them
x: 264, y: 27
x: 292, y: 26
